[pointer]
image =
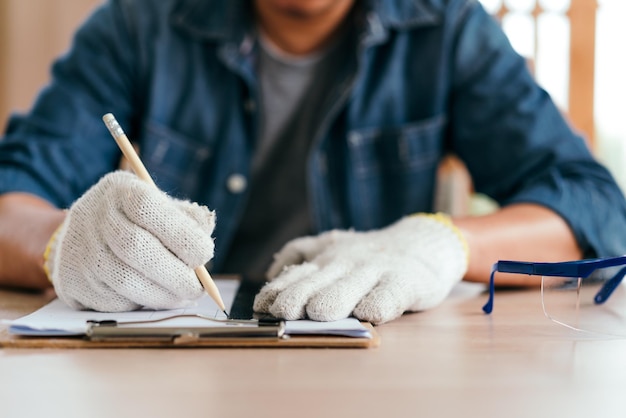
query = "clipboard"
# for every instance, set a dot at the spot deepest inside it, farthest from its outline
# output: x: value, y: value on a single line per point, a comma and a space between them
x: 242, y: 329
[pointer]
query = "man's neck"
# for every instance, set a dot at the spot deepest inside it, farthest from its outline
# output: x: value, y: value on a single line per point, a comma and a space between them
x: 301, y: 31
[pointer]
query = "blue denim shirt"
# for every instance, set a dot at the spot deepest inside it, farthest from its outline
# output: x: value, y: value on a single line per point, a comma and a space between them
x: 420, y: 78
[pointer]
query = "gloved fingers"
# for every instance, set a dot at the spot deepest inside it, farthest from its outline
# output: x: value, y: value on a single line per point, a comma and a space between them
x: 396, y: 294
x: 204, y: 217
x: 169, y: 293
x: 294, y: 252
x: 388, y: 300
x: 114, y: 286
x: 189, y: 237
x: 338, y: 300
x: 264, y: 300
x: 304, y: 249
x: 92, y: 294
x: 145, y: 254
x: 291, y: 303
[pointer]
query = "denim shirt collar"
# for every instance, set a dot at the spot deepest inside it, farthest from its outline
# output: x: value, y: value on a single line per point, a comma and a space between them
x: 232, y: 20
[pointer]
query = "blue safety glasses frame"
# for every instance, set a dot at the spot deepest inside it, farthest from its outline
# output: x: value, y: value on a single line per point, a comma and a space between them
x: 580, y: 268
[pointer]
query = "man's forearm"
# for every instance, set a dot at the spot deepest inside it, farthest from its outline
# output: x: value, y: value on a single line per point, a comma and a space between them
x: 525, y: 232
x: 26, y: 224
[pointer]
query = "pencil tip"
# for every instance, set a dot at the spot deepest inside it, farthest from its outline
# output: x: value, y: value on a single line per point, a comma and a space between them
x: 226, y: 313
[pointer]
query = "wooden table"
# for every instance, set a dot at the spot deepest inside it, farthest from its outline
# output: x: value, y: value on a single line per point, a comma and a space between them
x: 452, y: 361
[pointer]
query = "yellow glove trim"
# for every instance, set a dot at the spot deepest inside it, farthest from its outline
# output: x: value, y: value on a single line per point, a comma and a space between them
x: 46, y: 253
x: 446, y: 220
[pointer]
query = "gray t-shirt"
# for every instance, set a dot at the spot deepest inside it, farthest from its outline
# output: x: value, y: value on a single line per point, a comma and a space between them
x: 292, y: 91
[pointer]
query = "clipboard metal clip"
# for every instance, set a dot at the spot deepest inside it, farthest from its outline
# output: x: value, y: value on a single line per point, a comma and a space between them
x: 108, y: 330
x: 105, y: 323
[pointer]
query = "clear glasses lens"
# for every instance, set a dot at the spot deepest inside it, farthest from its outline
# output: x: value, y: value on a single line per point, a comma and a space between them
x: 571, y: 302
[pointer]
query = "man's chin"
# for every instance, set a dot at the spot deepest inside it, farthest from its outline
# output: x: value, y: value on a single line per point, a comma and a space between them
x: 304, y: 9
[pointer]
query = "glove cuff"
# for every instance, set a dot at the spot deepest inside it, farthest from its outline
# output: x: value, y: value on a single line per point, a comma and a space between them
x: 447, y: 221
x: 51, y: 247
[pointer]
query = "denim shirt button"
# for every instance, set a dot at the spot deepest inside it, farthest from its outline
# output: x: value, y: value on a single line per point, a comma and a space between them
x: 354, y: 138
x: 236, y: 183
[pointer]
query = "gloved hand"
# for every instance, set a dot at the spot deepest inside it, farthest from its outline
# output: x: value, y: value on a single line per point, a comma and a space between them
x: 125, y: 244
x: 375, y: 276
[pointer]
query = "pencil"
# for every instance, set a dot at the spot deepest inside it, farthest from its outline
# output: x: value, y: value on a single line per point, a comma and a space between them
x: 140, y: 170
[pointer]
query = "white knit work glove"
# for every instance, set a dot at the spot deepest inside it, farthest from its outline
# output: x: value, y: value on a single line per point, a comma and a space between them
x: 125, y: 244
x: 375, y: 276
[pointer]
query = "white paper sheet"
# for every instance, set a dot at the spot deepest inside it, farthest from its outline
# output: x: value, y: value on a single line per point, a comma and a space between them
x: 57, y: 319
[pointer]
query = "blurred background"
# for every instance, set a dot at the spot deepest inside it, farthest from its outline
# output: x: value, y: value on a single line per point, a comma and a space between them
x: 574, y: 48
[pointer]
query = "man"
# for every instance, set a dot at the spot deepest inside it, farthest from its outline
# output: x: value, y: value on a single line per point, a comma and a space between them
x: 316, y: 123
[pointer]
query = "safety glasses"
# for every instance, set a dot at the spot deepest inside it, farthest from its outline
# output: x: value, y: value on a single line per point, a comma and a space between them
x: 585, y: 295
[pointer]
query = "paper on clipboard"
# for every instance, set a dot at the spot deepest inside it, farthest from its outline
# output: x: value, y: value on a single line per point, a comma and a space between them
x: 56, y: 319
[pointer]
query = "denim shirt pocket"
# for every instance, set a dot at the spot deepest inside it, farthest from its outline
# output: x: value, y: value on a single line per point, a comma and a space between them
x: 392, y: 170
x: 173, y: 159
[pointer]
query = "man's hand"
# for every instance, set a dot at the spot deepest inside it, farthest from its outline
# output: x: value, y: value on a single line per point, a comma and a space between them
x: 375, y: 276
x: 125, y: 245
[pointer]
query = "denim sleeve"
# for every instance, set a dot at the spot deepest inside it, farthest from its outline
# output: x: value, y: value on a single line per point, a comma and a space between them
x: 517, y: 145
x: 61, y: 146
